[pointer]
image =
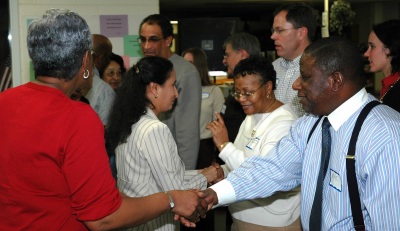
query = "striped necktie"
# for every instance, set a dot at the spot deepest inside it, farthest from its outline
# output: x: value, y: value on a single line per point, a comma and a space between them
x: 316, y: 211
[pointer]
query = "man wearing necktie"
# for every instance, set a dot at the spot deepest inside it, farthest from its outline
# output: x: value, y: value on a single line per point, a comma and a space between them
x: 331, y: 86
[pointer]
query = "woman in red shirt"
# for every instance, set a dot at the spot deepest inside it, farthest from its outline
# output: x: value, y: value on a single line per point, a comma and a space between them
x: 384, y: 56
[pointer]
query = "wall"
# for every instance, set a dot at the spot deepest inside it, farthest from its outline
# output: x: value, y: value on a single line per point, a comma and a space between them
x: 24, y: 10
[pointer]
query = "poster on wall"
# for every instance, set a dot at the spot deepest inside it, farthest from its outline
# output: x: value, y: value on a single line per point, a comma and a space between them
x: 114, y: 25
x: 132, y: 46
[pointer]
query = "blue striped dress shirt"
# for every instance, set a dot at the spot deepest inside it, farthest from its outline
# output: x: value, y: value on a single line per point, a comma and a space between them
x: 293, y: 162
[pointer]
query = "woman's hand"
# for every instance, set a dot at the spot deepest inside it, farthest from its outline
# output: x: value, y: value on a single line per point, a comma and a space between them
x: 210, y: 173
x: 219, y: 131
x: 220, y: 173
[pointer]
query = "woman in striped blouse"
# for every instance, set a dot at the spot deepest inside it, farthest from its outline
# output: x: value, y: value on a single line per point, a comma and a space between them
x: 146, y: 153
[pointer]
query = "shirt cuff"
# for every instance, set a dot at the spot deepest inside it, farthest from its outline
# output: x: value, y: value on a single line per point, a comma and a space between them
x: 225, y: 192
x: 225, y: 151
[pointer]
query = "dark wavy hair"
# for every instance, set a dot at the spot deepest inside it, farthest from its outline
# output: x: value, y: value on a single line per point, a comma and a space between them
x: 389, y: 34
x: 131, y: 101
x: 116, y: 58
x: 57, y: 43
x: 256, y: 65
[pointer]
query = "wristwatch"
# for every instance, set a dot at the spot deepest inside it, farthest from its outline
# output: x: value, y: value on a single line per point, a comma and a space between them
x: 171, y: 201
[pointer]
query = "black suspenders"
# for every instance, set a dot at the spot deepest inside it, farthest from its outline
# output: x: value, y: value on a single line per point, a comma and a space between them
x: 354, y: 195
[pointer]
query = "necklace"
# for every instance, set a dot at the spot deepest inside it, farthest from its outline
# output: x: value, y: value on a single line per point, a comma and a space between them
x: 383, y: 96
x: 253, y: 132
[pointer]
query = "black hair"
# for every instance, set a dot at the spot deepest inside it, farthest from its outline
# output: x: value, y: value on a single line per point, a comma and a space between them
x: 131, y: 100
x: 337, y: 54
x: 256, y: 65
x: 389, y: 34
x: 116, y: 58
x: 162, y: 21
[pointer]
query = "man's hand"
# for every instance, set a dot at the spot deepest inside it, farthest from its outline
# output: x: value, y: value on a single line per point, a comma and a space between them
x: 209, y: 196
x: 189, y: 207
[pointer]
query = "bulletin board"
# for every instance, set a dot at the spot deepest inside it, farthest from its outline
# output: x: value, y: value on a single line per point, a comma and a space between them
x: 119, y: 22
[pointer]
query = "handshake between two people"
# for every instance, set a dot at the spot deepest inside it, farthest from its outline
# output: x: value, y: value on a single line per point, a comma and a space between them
x: 197, y: 203
x: 191, y: 205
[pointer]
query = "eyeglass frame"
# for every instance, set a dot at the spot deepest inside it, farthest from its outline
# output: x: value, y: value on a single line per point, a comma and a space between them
x: 279, y: 31
x: 226, y: 55
x: 246, y: 95
x: 116, y: 73
x: 151, y: 39
x: 93, y: 52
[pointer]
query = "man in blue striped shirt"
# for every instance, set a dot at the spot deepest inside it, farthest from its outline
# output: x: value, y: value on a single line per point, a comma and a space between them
x: 331, y: 85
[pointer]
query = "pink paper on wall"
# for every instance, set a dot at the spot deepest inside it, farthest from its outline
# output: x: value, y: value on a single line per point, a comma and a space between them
x: 114, y: 25
x: 126, y: 62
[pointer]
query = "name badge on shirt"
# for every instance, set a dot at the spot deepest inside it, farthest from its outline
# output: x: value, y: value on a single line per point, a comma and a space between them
x: 205, y: 95
x: 223, y: 109
x: 252, y: 143
x: 335, y: 182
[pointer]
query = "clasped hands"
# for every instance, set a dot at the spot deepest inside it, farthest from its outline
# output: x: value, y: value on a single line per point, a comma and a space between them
x: 208, y: 198
x: 199, y: 202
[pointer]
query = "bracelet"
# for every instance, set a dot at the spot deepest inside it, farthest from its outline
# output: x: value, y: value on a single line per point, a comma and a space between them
x: 222, y: 146
x: 171, y: 201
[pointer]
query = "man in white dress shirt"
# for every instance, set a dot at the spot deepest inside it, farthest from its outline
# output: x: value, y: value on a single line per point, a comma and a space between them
x: 332, y: 86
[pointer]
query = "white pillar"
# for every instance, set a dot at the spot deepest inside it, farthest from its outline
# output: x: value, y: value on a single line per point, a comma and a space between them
x: 325, y: 20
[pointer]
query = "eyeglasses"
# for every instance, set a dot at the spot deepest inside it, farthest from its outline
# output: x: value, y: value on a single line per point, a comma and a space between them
x: 280, y: 30
x: 151, y: 39
x: 246, y: 94
x: 226, y: 55
x: 112, y: 73
x: 92, y: 52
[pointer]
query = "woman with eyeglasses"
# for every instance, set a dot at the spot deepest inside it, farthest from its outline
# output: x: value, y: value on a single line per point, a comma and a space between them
x: 146, y: 152
x: 113, y: 71
x: 267, y: 121
x: 54, y: 168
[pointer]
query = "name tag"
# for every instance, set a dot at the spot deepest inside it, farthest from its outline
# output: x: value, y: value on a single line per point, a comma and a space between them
x: 205, y: 95
x: 252, y: 143
x: 335, y: 182
x: 223, y: 109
